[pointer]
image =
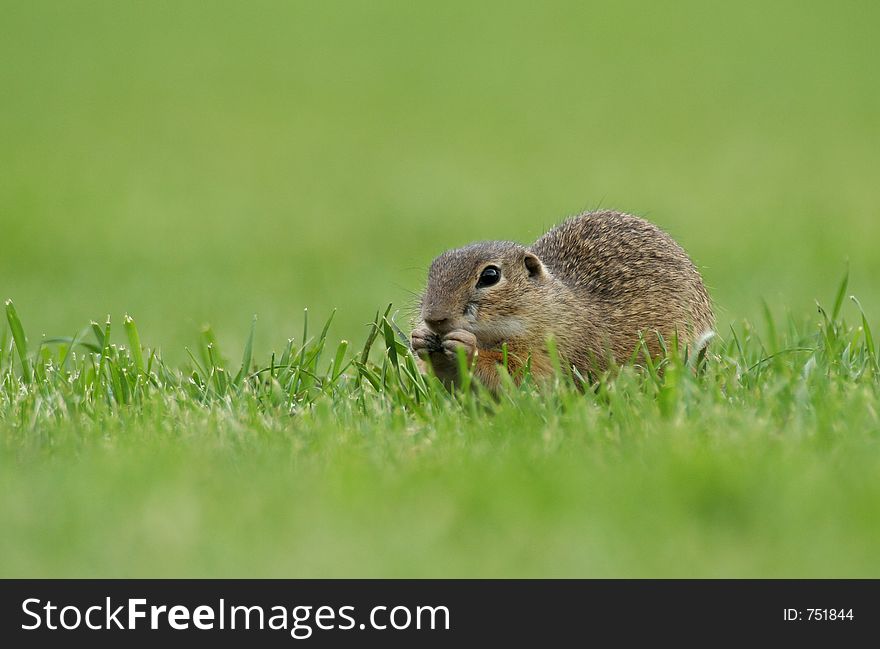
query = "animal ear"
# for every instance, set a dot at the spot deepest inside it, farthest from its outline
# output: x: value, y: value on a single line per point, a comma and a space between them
x: 533, y: 265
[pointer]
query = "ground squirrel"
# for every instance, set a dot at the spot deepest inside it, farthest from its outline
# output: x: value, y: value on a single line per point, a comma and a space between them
x: 593, y: 284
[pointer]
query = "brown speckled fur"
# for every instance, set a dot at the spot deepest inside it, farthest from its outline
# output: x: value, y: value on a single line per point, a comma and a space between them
x: 592, y: 283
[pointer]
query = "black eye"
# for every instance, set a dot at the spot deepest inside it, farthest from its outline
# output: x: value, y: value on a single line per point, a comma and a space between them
x: 489, y: 276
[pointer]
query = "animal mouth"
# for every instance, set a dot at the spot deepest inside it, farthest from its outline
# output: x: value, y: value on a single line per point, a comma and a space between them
x: 495, y: 333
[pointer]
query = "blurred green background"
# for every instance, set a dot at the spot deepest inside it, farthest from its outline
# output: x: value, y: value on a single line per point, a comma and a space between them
x: 193, y: 162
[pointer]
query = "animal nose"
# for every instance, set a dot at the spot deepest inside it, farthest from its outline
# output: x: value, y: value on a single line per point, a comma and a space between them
x: 438, y: 325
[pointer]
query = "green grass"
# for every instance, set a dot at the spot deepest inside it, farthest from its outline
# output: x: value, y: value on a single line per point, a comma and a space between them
x: 330, y: 461
x: 192, y: 163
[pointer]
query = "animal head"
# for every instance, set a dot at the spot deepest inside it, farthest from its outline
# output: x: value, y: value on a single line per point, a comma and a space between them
x: 484, y: 288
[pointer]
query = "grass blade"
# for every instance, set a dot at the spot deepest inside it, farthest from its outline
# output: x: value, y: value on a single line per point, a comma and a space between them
x: 134, y: 342
x: 869, y: 338
x: 338, y: 366
x: 19, y: 338
x: 305, y: 328
x: 99, y: 335
x: 388, y: 333
x: 105, y: 349
x: 841, y: 294
x: 246, y: 357
x: 374, y: 331
x: 73, y: 341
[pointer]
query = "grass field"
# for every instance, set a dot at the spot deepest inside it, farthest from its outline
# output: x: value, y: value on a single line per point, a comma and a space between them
x: 194, y: 164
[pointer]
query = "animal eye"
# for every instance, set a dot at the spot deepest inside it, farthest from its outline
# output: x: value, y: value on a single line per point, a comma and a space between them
x: 489, y: 276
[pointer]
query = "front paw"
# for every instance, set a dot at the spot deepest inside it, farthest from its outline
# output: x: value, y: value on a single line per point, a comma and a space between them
x: 425, y: 342
x: 459, y: 339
